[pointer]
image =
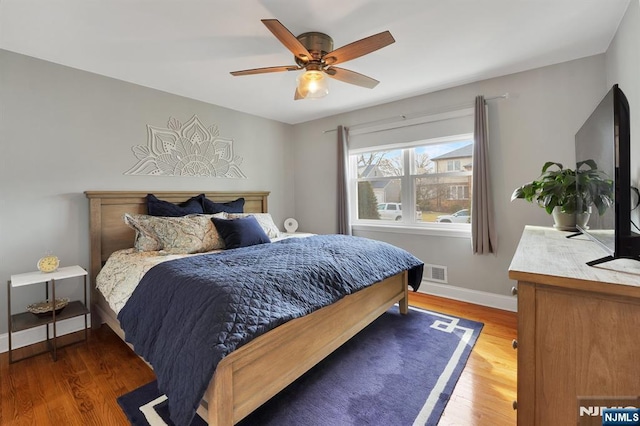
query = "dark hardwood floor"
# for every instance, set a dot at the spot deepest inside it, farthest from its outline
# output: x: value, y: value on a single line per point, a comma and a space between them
x: 79, y: 389
x: 82, y: 386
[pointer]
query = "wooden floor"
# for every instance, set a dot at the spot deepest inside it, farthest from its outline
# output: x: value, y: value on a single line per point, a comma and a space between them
x: 82, y: 386
x: 487, y: 387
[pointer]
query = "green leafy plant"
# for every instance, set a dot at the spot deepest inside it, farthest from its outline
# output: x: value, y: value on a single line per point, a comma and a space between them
x: 556, y: 187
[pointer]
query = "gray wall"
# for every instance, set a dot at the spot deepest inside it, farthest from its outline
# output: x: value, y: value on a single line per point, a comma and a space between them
x: 623, y: 68
x: 536, y: 124
x: 65, y: 131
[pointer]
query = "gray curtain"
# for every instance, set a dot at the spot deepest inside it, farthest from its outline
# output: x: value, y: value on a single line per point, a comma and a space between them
x: 483, y: 232
x: 344, y: 224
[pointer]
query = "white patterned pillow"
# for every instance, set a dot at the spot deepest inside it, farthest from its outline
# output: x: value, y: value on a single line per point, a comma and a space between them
x: 186, y: 234
x: 264, y: 219
x: 146, y: 239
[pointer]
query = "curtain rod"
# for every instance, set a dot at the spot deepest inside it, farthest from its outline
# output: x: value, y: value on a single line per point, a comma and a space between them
x: 419, y: 114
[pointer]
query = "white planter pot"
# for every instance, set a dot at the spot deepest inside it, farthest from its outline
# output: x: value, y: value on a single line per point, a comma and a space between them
x: 567, y: 221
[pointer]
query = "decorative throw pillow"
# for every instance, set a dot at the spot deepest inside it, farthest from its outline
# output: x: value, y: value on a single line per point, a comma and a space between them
x: 242, y: 232
x: 156, y: 207
x: 146, y: 239
x: 180, y: 235
x: 211, y: 207
x: 264, y: 219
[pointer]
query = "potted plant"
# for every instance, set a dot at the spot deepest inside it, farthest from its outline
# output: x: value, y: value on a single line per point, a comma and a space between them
x: 569, y: 202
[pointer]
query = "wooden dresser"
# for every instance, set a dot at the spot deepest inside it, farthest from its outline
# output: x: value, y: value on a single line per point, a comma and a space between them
x: 578, y: 326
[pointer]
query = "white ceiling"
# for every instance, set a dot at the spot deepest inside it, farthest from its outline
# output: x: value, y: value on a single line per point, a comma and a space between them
x: 188, y: 47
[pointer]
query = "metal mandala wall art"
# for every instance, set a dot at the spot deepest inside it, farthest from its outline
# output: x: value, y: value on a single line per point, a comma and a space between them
x: 188, y: 149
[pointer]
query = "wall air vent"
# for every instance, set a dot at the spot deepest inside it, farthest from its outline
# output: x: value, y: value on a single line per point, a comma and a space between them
x: 437, y: 273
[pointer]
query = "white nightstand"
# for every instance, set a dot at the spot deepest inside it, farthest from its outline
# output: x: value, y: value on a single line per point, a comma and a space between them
x: 27, y: 320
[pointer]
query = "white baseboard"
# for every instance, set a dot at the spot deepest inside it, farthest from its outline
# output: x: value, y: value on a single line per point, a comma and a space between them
x: 492, y: 300
x: 39, y: 334
x: 71, y: 325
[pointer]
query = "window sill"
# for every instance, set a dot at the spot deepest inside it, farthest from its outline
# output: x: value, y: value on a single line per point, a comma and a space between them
x: 454, y: 230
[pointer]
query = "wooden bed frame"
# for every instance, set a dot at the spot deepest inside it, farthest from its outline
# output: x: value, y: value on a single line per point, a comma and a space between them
x: 257, y: 371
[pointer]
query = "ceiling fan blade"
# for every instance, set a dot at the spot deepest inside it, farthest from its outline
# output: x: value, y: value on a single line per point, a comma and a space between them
x: 359, y: 48
x: 289, y: 40
x: 351, y: 77
x: 265, y: 70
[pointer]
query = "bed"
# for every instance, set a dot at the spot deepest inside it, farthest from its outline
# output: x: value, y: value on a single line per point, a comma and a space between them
x: 255, y: 372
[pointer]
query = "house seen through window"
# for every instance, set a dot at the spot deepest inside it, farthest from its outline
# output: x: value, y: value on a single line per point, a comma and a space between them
x: 415, y: 183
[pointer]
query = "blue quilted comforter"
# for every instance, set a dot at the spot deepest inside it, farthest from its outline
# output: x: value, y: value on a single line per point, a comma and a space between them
x: 188, y: 314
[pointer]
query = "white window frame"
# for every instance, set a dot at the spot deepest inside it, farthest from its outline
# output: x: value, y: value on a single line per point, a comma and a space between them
x: 408, y: 223
x: 458, y: 188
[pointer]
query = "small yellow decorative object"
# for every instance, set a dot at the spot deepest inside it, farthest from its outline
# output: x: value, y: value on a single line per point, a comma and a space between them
x: 48, y: 263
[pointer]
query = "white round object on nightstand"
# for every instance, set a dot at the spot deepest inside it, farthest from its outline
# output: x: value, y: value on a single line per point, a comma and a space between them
x: 291, y: 225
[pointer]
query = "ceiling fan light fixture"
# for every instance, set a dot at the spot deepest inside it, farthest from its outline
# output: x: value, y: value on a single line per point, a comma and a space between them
x: 314, y: 52
x: 312, y: 84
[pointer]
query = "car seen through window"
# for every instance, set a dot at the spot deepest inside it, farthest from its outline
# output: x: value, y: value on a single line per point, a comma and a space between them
x: 461, y: 216
x: 393, y: 211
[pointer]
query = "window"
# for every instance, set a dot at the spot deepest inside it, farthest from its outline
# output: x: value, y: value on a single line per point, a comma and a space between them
x: 432, y: 177
x: 379, y: 184
x: 458, y: 192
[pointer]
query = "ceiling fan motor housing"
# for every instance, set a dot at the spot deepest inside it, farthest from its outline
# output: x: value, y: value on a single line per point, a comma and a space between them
x: 318, y: 44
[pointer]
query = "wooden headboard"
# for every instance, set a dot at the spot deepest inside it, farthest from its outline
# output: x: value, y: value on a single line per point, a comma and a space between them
x: 109, y: 233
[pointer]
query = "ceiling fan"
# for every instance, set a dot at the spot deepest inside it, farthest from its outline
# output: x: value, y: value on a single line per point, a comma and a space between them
x: 313, y: 52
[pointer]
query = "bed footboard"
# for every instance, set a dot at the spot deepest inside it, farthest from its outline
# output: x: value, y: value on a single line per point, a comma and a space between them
x: 251, y: 375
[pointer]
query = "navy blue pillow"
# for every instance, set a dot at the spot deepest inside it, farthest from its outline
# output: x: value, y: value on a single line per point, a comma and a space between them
x: 211, y: 207
x: 242, y: 232
x: 156, y: 207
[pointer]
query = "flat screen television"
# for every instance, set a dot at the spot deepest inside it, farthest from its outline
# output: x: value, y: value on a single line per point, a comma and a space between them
x: 603, y: 147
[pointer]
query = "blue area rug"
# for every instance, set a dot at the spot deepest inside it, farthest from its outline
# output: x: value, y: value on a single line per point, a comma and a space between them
x: 400, y: 370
